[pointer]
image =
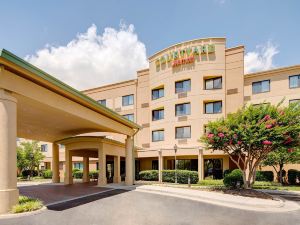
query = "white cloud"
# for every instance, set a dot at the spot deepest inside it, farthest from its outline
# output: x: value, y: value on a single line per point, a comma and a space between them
x: 93, y: 59
x: 262, y: 58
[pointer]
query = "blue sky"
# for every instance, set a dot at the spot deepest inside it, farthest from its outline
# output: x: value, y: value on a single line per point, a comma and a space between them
x: 28, y: 26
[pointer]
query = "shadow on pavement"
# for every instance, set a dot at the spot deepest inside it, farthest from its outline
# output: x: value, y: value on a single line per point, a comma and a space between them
x: 84, y: 200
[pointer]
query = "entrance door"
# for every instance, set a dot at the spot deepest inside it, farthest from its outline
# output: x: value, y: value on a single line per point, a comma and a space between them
x: 110, y: 171
x: 213, y: 168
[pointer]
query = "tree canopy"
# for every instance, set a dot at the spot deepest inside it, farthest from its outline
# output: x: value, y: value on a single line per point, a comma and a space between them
x: 29, y: 155
x: 250, y: 134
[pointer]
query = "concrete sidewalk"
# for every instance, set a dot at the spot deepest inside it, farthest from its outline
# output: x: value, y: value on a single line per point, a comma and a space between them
x: 233, y: 201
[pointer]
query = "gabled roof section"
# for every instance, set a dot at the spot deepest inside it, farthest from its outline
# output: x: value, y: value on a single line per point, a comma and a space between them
x: 36, y: 75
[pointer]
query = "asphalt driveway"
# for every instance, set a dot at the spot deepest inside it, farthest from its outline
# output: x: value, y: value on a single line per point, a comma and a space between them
x: 132, y: 207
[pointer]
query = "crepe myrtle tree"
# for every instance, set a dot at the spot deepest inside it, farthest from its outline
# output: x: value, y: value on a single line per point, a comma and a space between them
x: 281, y: 156
x: 250, y: 134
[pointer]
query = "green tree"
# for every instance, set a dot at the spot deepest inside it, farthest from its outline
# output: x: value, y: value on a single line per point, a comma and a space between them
x: 29, y: 155
x: 250, y: 134
x: 281, y: 156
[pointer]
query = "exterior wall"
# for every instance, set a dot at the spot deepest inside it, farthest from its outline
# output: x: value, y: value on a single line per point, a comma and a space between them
x: 279, y: 86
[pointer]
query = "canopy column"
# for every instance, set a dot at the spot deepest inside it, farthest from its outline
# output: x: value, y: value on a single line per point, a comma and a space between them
x: 86, y: 171
x: 55, y: 163
x: 68, y: 176
x: 8, y: 157
x: 129, y: 160
x: 102, y: 166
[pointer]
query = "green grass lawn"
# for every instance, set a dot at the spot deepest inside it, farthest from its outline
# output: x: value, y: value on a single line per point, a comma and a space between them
x: 27, y: 204
x: 257, y: 185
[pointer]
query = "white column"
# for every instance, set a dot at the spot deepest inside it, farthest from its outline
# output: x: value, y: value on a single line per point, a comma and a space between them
x: 55, y: 163
x: 102, y: 180
x: 160, y: 166
x: 86, y: 170
x: 117, y: 175
x: 69, y: 166
x: 200, y: 165
x: 8, y: 157
x: 129, y: 160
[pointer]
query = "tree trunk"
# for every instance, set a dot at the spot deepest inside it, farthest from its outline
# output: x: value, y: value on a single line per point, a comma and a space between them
x: 280, y: 173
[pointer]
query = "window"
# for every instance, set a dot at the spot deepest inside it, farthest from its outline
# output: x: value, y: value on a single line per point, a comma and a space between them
x: 158, y: 135
x: 129, y: 117
x: 154, y: 164
x: 261, y: 86
x: 182, y: 86
x: 183, y: 132
x: 157, y: 93
x: 213, y: 107
x: 294, y: 81
x: 102, y: 102
x: 44, y: 148
x: 294, y: 101
x: 157, y: 114
x: 213, y: 83
x: 127, y: 100
x: 78, y: 166
x: 182, y: 109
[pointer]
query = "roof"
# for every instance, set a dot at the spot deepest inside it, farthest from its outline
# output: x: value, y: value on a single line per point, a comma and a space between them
x: 281, y: 69
x: 42, y: 78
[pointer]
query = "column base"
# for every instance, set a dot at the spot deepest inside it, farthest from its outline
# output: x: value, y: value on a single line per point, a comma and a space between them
x: 8, y: 198
x: 55, y: 179
x: 128, y: 182
x: 102, y: 182
x: 117, y: 179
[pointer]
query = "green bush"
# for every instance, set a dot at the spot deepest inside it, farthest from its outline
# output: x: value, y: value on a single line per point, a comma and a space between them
x: 232, y: 179
x: 182, y: 176
x: 27, y: 204
x: 94, y: 174
x: 78, y: 174
x: 226, y: 172
x: 292, y: 176
x: 149, y: 175
x: 264, y: 176
x: 74, y: 171
x: 47, y: 174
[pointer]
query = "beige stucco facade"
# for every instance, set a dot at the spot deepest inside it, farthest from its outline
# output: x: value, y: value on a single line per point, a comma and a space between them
x: 235, y: 91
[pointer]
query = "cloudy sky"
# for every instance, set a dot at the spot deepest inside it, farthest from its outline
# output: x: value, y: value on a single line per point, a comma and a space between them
x: 92, y: 43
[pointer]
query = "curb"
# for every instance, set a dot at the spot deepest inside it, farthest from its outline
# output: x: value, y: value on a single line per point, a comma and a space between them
x: 24, y: 214
x: 281, y: 206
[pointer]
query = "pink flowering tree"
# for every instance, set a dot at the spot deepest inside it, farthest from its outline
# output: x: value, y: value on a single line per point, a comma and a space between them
x: 252, y: 133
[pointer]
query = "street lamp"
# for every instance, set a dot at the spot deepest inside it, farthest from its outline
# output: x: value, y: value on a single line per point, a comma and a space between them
x: 175, y: 150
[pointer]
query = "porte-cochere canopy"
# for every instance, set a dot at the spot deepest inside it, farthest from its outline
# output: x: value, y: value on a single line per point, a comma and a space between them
x: 35, y: 105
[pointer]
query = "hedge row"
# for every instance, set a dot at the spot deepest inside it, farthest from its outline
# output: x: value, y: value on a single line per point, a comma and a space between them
x: 260, y: 175
x: 169, y: 176
x: 293, y: 176
x: 92, y: 174
x: 47, y: 174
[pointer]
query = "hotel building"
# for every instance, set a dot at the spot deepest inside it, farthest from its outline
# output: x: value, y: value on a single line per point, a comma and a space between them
x: 186, y: 86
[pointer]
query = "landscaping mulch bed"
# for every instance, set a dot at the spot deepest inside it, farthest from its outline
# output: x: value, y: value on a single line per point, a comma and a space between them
x: 248, y: 193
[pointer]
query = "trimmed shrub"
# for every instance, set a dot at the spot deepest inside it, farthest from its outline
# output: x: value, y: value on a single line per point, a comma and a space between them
x: 182, y: 176
x: 26, y: 173
x: 74, y: 171
x: 78, y: 174
x: 292, y: 176
x: 232, y: 179
x: 149, y: 175
x: 47, y: 174
x: 264, y: 176
x: 226, y: 172
x: 94, y: 174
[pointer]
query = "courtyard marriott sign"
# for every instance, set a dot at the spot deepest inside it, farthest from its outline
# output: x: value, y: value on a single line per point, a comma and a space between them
x: 184, y: 56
